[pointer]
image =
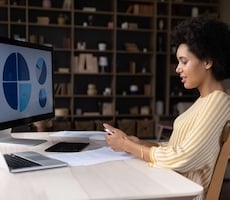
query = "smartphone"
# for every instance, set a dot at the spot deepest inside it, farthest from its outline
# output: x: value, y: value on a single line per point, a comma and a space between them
x: 108, y: 131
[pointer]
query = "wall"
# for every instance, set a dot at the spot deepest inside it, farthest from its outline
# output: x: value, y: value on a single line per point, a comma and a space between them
x: 225, y: 16
x: 224, y: 11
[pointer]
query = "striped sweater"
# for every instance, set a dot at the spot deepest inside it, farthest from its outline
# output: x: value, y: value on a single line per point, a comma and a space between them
x: 193, y: 147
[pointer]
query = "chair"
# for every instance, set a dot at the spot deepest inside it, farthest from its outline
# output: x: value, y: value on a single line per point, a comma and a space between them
x: 160, y: 131
x: 221, y: 165
x: 163, y: 127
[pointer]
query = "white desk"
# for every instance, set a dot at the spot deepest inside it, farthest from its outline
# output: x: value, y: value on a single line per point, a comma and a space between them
x: 128, y: 179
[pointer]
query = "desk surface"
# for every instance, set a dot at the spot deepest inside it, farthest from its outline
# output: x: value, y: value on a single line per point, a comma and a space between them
x: 127, y: 179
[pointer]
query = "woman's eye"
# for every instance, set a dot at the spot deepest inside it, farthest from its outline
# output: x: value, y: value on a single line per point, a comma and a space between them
x: 184, y: 62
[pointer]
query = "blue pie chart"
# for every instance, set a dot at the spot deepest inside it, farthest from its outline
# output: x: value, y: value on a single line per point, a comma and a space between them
x: 41, y: 71
x: 16, y: 82
x: 42, y: 98
x: 41, y: 74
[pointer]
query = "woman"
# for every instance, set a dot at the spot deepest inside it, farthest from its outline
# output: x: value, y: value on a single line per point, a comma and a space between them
x: 203, y: 54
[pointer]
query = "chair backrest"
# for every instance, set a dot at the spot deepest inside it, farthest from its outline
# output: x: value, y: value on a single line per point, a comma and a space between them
x: 221, y: 165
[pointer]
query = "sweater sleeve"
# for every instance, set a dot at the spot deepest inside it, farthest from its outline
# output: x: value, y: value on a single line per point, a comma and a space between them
x: 195, y: 138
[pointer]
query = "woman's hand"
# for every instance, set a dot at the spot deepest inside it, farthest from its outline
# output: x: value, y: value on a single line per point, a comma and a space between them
x: 134, y: 139
x: 116, y: 140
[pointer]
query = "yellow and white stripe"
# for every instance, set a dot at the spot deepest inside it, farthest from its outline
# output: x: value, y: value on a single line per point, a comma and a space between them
x: 194, y: 144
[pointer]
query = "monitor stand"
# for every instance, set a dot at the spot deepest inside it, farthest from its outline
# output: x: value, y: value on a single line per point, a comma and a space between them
x: 5, y: 137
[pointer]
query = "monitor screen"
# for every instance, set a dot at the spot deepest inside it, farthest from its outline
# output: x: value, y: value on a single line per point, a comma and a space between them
x: 26, y: 83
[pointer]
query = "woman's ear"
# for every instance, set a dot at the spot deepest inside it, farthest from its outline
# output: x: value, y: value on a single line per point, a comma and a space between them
x: 208, y: 63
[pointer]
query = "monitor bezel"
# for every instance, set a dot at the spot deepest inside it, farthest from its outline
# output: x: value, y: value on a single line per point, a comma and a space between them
x: 30, y: 119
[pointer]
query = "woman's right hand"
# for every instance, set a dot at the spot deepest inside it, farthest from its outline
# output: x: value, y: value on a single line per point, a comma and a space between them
x: 116, y: 140
x: 134, y: 139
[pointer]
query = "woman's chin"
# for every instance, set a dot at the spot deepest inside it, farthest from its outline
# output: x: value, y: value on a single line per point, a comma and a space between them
x: 187, y: 86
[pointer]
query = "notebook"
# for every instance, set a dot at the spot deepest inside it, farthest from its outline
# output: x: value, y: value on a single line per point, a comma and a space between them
x: 29, y: 161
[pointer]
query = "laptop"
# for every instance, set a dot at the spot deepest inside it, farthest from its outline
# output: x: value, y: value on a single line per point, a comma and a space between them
x: 30, y: 161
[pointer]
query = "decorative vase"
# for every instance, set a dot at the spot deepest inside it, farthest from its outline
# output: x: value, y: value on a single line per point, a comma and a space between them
x: 61, y: 20
x: 91, y: 90
x: 46, y: 3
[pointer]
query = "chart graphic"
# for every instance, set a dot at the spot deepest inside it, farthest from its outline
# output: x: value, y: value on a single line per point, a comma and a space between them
x: 41, y: 71
x: 42, y: 98
x: 41, y: 74
x: 16, y: 82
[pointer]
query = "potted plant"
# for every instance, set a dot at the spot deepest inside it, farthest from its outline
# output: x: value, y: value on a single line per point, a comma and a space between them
x: 62, y: 19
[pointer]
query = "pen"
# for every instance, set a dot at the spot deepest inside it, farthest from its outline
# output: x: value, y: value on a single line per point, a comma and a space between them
x: 108, y: 131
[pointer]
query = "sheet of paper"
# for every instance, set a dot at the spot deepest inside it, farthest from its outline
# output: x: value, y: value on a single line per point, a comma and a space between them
x: 81, y: 134
x: 3, y: 164
x: 91, y: 157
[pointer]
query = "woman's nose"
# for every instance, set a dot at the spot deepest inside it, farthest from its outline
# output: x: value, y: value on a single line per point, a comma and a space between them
x: 178, y: 69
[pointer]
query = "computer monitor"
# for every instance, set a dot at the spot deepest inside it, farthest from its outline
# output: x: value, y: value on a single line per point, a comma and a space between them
x: 26, y: 86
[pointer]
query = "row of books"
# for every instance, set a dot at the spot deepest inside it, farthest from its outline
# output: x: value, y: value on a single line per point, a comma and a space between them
x: 140, y: 9
x: 62, y: 88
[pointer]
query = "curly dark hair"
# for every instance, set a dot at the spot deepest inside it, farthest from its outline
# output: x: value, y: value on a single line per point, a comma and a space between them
x: 207, y: 39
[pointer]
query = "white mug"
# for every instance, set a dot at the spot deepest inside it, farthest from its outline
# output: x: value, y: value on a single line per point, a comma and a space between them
x: 102, y: 46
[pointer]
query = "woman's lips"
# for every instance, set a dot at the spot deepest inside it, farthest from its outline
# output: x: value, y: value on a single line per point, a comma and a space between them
x: 183, y: 79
